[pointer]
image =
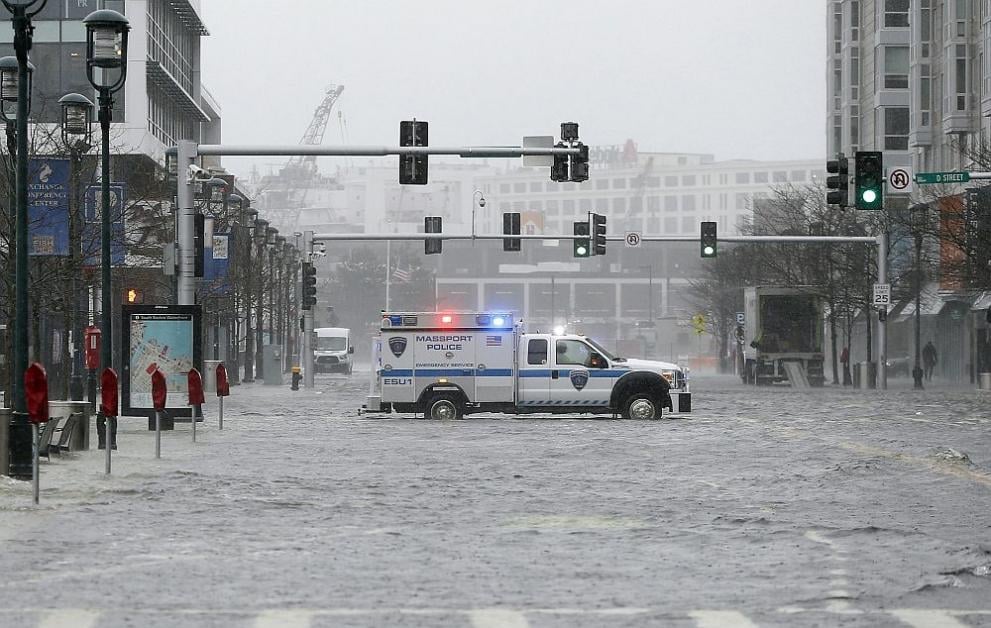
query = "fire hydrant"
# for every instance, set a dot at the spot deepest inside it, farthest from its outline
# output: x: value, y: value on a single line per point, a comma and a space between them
x: 296, y: 377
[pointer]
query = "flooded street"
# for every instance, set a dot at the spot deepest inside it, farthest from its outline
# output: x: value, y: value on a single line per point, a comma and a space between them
x: 767, y: 507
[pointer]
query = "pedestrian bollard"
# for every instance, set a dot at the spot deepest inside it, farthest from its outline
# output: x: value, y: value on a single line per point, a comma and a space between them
x: 158, y: 397
x: 108, y: 405
x: 223, y: 390
x: 196, y: 400
x: 36, y: 393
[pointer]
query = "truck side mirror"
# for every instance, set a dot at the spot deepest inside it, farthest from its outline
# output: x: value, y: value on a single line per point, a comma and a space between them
x: 351, y: 349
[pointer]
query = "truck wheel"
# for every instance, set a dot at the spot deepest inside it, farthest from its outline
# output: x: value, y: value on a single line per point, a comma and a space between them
x: 642, y: 406
x: 444, y: 408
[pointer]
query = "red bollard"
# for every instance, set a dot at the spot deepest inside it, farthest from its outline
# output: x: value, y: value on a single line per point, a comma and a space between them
x: 36, y: 393
x: 158, y: 396
x: 108, y: 405
x: 196, y: 399
x: 223, y: 390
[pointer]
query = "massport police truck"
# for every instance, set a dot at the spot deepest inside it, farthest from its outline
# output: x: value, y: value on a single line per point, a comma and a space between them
x: 448, y: 364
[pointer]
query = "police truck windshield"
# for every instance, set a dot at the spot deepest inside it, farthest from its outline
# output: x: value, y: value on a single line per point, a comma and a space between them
x: 602, y: 350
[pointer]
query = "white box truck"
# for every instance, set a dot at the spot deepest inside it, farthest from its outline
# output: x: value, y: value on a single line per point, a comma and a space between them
x: 333, y: 351
x: 449, y: 364
x: 783, y: 336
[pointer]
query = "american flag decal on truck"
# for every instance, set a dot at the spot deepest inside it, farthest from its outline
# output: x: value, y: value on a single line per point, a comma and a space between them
x: 493, y: 341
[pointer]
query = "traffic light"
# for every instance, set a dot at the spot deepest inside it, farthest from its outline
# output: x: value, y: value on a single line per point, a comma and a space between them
x: 869, y: 179
x: 559, y: 170
x: 581, y: 243
x: 199, y: 252
x: 839, y: 184
x: 708, y: 239
x: 579, y: 164
x: 511, y: 226
x: 134, y: 295
x: 598, y: 224
x: 309, y: 286
x: 413, y: 168
x: 433, y: 224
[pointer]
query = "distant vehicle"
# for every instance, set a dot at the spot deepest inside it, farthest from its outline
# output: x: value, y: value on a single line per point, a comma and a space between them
x: 333, y: 351
x: 449, y: 364
x: 783, y: 336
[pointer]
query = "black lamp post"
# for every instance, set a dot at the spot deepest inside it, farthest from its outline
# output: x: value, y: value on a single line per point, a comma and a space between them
x: 235, y: 204
x: 106, y: 69
x: 280, y: 252
x: 18, y: 91
x: 919, y: 217
x: 250, y: 215
x: 271, y: 241
x: 261, y: 238
x: 77, y: 136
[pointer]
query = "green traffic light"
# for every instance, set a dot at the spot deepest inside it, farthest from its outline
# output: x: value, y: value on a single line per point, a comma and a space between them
x: 581, y: 250
x: 869, y: 196
x: 709, y: 250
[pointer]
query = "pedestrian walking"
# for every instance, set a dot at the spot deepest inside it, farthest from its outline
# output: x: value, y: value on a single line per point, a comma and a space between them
x: 929, y: 359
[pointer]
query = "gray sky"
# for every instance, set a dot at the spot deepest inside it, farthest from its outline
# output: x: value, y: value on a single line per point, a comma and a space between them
x: 740, y: 79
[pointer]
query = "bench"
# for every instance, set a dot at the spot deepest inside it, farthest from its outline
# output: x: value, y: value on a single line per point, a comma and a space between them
x: 65, y: 435
x: 45, y: 439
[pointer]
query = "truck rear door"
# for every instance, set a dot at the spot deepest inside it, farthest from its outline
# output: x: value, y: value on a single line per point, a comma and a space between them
x: 534, y: 375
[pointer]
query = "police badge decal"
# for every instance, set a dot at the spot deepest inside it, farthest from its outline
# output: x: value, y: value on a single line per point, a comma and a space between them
x: 579, y: 377
x: 397, y: 346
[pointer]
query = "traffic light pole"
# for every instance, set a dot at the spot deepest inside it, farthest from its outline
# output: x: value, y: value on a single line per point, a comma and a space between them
x: 308, y: 319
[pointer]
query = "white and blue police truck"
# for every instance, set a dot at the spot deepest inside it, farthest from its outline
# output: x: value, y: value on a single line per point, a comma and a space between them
x: 445, y: 365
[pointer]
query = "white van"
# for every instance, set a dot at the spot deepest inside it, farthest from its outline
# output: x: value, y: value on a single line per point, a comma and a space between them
x: 333, y: 351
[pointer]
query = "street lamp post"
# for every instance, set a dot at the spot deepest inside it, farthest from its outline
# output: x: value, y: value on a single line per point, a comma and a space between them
x: 77, y: 136
x: 106, y: 69
x: 280, y: 252
x: 919, y: 216
x: 249, y: 216
x: 19, y: 435
x: 216, y: 203
x: 261, y: 238
x: 271, y: 241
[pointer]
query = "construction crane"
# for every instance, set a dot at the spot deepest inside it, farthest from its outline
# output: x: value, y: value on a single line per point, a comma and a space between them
x: 304, y: 167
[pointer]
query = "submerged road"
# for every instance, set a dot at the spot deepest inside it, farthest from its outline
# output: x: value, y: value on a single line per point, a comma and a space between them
x: 767, y: 507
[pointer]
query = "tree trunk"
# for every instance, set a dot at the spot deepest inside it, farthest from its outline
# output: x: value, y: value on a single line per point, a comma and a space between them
x: 832, y: 339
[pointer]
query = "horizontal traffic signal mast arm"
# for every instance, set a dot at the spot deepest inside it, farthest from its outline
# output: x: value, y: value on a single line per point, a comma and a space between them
x: 342, y: 237
x: 481, y: 152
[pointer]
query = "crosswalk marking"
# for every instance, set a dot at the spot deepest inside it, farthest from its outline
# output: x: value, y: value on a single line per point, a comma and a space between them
x: 928, y: 618
x: 284, y: 619
x: 497, y: 618
x: 721, y: 619
x: 69, y: 618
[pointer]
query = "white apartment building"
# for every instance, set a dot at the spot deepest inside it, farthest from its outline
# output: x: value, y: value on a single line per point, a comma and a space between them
x: 911, y: 78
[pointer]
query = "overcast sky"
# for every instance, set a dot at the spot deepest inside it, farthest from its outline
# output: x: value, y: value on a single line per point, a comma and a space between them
x: 739, y: 79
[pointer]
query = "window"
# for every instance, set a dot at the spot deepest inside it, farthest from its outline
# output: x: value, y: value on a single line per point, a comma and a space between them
x: 585, y: 204
x: 568, y: 207
x: 602, y: 184
x: 550, y: 186
x: 798, y: 176
x: 519, y: 188
x: 741, y: 201
x: 536, y: 187
x: 619, y: 206
x: 602, y: 205
x: 896, y: 128
x: 636, y: 204
x: 536, y: 351
x: 671, y: 182
x: 552, y: 208
x: 504, y: 188
x: 895, y: 13
x: 780, y: 176
x: 619, y: 184
x: 653, y: 182
x: 688, y: 203
x: 896, y: 67
x: 670, y: 226
x: 572, y: 352
x: 760, y: 177
x: 688, y: 180
x: 670, y: 203
x: 743, y: 178
x: 689, y: 224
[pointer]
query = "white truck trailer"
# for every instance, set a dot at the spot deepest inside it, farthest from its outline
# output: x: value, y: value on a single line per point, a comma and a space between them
x: 449, y: 364
x: 783, y: 336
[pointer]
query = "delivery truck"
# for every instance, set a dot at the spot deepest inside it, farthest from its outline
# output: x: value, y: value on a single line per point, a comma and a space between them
x: 783, y: 336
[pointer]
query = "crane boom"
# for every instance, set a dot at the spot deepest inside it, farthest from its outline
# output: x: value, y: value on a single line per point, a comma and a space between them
x: 305, y: 167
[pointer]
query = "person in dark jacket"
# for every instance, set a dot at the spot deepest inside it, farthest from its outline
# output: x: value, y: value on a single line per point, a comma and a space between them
x: 929, y: 359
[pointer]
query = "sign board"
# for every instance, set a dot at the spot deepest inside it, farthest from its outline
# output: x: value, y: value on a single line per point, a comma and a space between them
x: 162, y: 337
x: 48, y: 206
x: 900, y: 180
x: 538, y: 161
x: 942, y: 177
x: 882, y: 295
x: 740, y: 318
x: 698, y: 322
x: 633, y: 239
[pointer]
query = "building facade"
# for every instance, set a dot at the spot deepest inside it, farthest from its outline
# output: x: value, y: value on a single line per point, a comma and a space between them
x: 911, y: 78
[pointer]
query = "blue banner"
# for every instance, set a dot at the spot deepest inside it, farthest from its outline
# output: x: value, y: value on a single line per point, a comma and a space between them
x: 93, y: 212
x: 48, y: 207
x: 216, y: 266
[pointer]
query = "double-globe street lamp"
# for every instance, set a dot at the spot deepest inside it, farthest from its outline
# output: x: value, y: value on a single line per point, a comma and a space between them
x: 19, y: 435
x: 106, y: 70
x: 77, y: 137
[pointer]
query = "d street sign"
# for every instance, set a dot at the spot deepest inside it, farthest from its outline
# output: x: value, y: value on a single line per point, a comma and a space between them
x: 942, y: 177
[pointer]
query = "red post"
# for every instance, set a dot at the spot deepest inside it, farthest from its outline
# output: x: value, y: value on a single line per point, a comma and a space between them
x: 36, y: 389
x: 108, y: 393
x: 223, y: 386
x: 195, y: 387
x: 158, y: 390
